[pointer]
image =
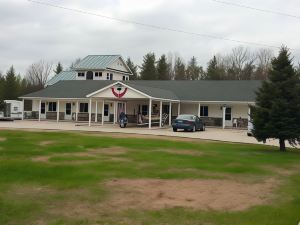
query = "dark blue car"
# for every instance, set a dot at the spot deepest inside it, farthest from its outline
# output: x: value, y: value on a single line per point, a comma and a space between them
x: 188, y: 123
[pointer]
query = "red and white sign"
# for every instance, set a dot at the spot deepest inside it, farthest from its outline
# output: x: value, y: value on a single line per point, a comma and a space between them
x: 119, y: 92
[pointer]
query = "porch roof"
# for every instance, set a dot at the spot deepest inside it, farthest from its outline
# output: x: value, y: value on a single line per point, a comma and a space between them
x: 174, y: 90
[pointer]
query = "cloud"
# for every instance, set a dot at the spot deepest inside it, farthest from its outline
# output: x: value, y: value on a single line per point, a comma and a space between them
x: 30, y: 32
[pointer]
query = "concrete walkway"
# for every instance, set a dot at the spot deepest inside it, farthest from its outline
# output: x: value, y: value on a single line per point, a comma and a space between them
x: 217, y: 134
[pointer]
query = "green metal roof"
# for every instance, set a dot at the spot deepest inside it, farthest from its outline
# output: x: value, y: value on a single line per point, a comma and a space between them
x: 64, y: 75
x: 96, y: 62
x: 174, y: 90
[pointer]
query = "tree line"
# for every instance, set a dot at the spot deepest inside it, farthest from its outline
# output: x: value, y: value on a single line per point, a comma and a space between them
x: 239, y: 64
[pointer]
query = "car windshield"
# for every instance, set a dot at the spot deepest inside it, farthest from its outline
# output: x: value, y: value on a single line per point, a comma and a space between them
x: 186, y: 117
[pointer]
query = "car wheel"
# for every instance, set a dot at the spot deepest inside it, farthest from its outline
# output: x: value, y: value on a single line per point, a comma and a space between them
x: 194, y: 129
x: 175, y: 129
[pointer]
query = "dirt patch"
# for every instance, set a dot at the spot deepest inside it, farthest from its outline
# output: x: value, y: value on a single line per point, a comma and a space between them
x: 44, y: 143
x: 183, y: 152
x: 41, y: 159
x: 222, y: 195
x: 2, y: 139
x: 109, y: 151
x: 113, y: 152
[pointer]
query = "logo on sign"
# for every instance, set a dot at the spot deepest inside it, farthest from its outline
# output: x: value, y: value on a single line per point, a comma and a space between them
x: 119, y: 91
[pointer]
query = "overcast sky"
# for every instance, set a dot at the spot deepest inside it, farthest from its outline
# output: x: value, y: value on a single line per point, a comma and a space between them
x: 30, y: 32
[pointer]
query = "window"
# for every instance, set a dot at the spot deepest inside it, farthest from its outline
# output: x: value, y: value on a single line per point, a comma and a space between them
x: 84, y: 107
x: 80, y: 74
x: 111, y: 76
x: 98, y: 74
x: 16, y: 108
x: 107, y: 76
x: 52, y: 106
x: 124, y: 77
x: 127, y: 78
x: 144, y: 110
x: 204, y: 111
x: 228, y: 114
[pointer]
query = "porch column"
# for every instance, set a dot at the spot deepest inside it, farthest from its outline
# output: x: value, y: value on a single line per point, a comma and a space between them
x: 224, y: 112
x: 150, y: 112
x: 90, y: 112
x: 170, y: 114
x: 23, y: 109
x: 115, y: 112
x: 76, y: 111
x: 178, y: 109
x: 40, y: 109
x: 160, y: 114
x: 199, y: 110
x: 249, y: 113
x: 57, y: 111
x: 96, y: 112
x: 125, y: 107
x: 102, y: 119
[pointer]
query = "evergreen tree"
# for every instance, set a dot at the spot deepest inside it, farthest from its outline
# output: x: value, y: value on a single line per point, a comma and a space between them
x: 133, y: 69
x: 148, y: 69
x: 11, y: 87
x: 58, y: 69
x: 163, y: 69
x: 213, y: 70
x: 193, y: 70
x: 2, y: 82
x: 276, y: 113
x: 179, y: 70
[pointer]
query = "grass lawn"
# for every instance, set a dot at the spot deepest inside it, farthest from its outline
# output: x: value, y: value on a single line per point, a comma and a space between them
x: 79, y: 178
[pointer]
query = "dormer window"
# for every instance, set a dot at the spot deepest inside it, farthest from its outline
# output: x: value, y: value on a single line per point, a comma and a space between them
x: 98, y: 74
x: 80, y: 74
x: 109, y: 76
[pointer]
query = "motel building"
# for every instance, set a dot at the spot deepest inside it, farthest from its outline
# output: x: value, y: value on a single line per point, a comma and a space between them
x: 99, y: 88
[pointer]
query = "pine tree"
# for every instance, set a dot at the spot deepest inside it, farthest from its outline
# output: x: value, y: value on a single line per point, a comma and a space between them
x: 276, y: 113
x: 179, y: 70
x: 148, y: 69
x: 133, y: 69
x: 163, y: 69
x: 58, y: 69
x: 11, y: 88
x: 193, y: 70
x: 213, y: 70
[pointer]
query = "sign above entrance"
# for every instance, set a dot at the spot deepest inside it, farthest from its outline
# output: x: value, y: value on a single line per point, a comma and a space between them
x: 119, y: 91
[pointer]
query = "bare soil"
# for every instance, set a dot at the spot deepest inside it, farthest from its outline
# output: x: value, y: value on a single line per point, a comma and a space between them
x: 223, y: 195
x: 44, y: 143
x: 2, y: 139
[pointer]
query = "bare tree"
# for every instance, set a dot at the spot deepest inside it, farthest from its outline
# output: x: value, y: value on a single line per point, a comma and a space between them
x: 38, y: 73
x: 264, y: 57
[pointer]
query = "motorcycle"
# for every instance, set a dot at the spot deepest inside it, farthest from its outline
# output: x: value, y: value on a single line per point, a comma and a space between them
x: 123, y: 120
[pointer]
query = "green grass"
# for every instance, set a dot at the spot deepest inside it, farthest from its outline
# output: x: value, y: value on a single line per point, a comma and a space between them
x: 36, y: 178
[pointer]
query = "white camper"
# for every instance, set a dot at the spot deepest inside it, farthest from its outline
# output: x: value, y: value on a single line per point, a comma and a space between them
x: 13, y: 109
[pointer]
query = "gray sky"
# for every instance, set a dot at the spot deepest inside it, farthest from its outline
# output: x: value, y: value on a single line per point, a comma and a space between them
x: 30, y: 32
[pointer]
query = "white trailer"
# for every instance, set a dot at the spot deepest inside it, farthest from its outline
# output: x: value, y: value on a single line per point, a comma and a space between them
x: 13, y: 109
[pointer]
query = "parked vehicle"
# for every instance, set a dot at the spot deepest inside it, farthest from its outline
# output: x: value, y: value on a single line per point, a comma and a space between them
x: 188, y: 123
x: 123, y: 120
x: 13, y: 109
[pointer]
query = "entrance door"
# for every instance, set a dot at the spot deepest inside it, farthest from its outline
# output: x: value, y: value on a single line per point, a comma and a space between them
x: 228, y: 117
x: 43, y: 110
x: 89, y: 75
x: 106, y: 112
x: 68, y: 112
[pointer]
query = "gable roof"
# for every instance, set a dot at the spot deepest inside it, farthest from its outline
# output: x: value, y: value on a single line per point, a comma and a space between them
x: 64, y: 75
x: 96, y: 62
x: 209, y: 91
